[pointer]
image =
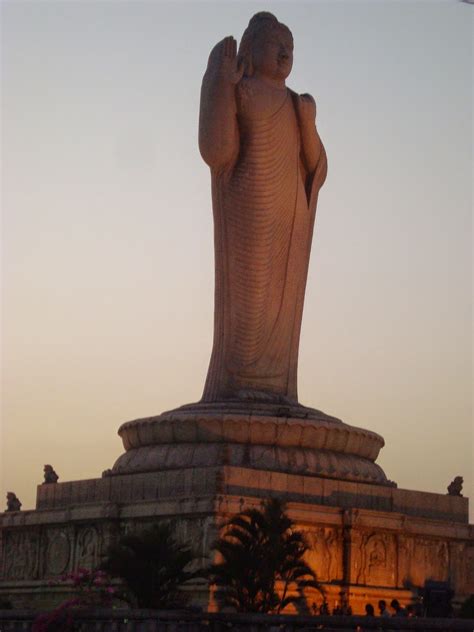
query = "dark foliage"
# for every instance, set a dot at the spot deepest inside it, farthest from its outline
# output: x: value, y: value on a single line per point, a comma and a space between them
x: 61, y: 619
x: 467, y: 609
x: 153, y: 567
x: 262, y: 563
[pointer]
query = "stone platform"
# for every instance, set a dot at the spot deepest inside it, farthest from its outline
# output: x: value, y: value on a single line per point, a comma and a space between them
x: 368, y: 541
x: 201, y: 463
x: 292, y: 439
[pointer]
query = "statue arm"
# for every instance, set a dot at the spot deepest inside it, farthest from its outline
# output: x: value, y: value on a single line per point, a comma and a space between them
x: 311, y: 146
x: 218, y: 130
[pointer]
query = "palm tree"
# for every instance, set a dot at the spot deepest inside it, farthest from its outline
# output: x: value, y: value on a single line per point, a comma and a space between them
x: 153, y: 567
x: 262, y: 561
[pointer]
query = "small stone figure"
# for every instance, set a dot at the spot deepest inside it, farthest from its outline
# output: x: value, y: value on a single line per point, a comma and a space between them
x: 455, y: 487
x: 50, y: 475
x: 13, y: 503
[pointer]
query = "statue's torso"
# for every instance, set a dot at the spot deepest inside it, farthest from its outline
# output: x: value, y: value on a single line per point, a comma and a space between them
x: 267, y: 125
x: 258, y: 140
x: 264, y: 209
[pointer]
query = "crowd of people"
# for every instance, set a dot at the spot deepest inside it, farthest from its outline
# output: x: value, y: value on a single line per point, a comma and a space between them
x: 396, y: 610
x: 410, y: 611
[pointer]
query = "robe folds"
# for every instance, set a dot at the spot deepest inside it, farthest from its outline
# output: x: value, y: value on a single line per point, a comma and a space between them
x: 264, y: 209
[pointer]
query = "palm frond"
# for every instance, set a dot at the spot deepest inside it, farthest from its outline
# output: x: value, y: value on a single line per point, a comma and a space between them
x: 260, y: 548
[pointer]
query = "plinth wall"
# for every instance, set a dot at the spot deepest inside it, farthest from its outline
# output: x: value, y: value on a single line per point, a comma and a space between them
x: 367, y: 541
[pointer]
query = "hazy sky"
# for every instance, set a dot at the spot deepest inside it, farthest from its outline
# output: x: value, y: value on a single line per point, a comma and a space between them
x: 107, y: 228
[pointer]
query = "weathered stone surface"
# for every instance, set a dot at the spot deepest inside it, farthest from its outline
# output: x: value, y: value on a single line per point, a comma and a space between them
x: 50, y: 476
x: 455, y: 486
x: 267, y: 165
x: 360, y: 546
x: 13, y: 502
x: 193, y: 482
x: 261, y: 436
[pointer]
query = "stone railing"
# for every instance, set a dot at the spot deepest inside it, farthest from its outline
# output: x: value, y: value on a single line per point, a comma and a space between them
x: 154, y: 621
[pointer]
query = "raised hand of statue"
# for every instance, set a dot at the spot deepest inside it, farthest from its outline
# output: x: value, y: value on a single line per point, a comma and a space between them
x: 223, y: 60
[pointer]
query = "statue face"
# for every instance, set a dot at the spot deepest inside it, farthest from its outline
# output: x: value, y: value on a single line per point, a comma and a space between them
x: 272, y: 53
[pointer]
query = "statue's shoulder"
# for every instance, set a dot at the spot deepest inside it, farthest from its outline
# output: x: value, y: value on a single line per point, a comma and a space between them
x: 300, y: 97
x: 294, y: 96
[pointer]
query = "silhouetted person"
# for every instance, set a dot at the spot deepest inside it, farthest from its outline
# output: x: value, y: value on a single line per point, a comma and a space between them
x: 324, y: 609
x: 399, y: 611
x: 383, y: 608
x: 369, y: 610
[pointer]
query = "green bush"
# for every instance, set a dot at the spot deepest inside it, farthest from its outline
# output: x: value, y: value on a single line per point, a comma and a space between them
x: 467, y: 609
x: 5, y: 604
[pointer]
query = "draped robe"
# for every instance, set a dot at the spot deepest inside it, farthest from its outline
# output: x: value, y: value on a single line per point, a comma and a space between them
x: 264, y: 208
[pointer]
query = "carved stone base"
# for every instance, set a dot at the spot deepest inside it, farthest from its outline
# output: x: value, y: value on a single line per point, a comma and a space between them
x: 273, y: 437
x: 367, y: 542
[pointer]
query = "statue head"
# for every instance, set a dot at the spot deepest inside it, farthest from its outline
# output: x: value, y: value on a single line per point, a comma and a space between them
x: 11, y: 496
x: 267, y: 47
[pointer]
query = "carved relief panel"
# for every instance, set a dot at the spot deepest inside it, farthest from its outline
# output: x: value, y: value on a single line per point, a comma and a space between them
x: 376, y: 555
x: 405, y: 555
x: 440, y: 562
x: 354, y: 541
x: 88, y: 549
x: 199, y: 534
x: 325, y: 554
x: 469, y: 584
x: 459, y: 566
x: 58, y: 551
x: 21, y: 555
x: 427, y: 559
